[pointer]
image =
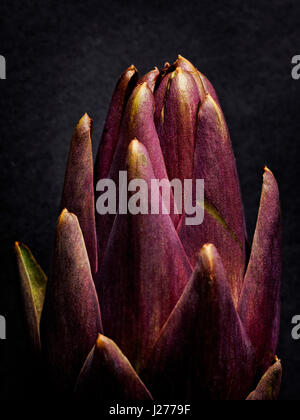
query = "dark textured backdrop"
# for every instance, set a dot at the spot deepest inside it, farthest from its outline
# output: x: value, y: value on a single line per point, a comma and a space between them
x: 63, y: 60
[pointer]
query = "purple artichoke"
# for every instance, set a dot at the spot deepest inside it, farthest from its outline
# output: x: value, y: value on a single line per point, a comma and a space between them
x: 142, y: 306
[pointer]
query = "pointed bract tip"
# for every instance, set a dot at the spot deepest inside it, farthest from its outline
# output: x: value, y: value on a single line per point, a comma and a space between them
x: 101, y: 341
x: 134, y: 146
x: 85, y: 118
x: 269, y: 179
x: 19, y: 245
x: 278, y: 365
x: 131, y: 68
x: 266, y: 169
x: 207, y: 256
x: 63, y: 213
x: 85, y: 122
x: 17, y: 248
x: 181, y: 58
x: 64, y: 216
x: 104, y: 345
x: 207, y: 249
x: 136, y: 158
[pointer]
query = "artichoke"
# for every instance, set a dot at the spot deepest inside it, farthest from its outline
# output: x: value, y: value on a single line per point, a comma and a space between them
x: 147, y: 306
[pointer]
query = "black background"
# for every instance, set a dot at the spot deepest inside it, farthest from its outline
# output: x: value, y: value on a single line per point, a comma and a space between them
x: 63, y: 59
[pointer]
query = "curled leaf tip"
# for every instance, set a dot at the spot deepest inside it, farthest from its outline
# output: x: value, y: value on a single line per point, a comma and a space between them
x: 99, y: 340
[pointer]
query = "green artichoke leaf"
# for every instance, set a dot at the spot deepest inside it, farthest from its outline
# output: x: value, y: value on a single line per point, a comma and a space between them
x: 33, y: 288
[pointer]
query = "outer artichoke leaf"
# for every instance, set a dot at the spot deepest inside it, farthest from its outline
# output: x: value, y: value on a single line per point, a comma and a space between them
x: 71, y: 318
x: 259, y: 305
x: 269, y: 385
x: 78, y: 191
x: 144, y: 271
x: 33, y: 288
x: 203, y: 351
x: 107, y: 375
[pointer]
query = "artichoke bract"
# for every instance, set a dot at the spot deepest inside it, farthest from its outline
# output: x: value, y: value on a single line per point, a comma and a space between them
x: 145, y: 305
